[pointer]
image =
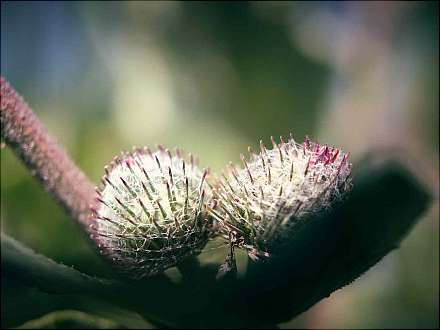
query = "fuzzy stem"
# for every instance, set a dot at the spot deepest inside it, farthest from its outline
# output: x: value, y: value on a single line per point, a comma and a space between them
x: 41, y: 154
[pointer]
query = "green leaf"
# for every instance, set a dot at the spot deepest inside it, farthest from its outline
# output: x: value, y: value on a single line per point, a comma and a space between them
x: 333, y: 250
x: 70, y: 319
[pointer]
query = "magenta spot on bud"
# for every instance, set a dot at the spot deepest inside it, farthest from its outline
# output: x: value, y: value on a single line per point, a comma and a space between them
x: 129, y: 161
x: 335, y: 155
x: 307, y: 142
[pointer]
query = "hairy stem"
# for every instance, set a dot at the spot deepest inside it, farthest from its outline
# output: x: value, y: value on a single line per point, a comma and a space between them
x: 41, y: 154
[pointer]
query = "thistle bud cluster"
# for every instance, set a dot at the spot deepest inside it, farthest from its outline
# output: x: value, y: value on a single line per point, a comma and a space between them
x: 151, y: 211
x: 155, y: 209
x: 262, y: 204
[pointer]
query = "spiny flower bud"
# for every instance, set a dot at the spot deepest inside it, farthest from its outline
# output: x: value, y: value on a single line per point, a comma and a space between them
x: 263, y: 204
x: 150, y: 212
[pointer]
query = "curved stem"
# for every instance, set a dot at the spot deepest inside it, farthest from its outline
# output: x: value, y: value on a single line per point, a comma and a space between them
x: 41, y: 154
x: 21, y: 263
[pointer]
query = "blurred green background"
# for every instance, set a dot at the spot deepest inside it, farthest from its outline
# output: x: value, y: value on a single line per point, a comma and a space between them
x: 213, y: 78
